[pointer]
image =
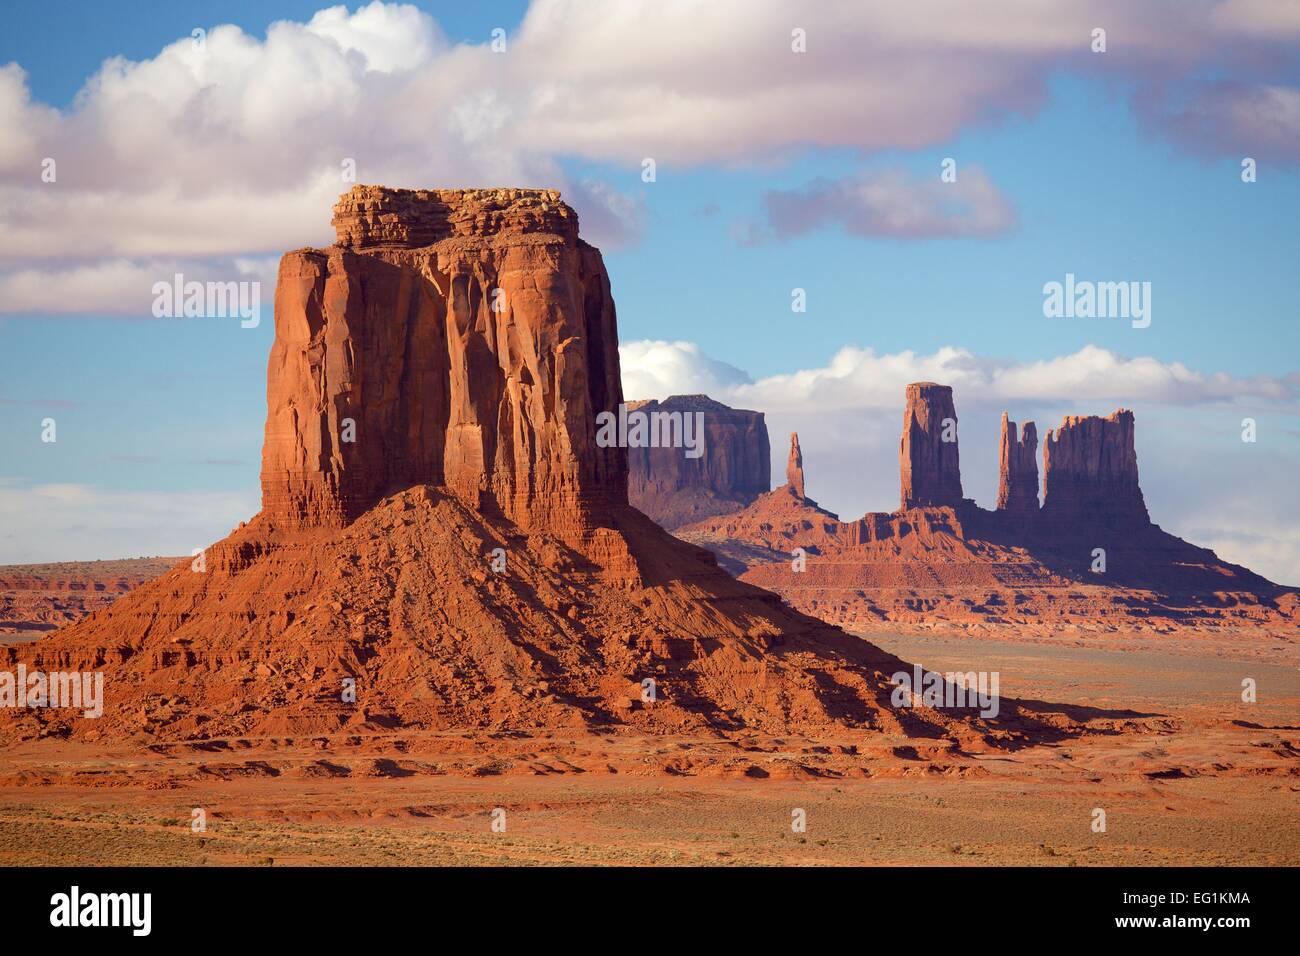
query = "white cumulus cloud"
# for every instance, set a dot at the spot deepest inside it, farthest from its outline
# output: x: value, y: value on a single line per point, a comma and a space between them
x: 235, y: 146
x: 862, y: 378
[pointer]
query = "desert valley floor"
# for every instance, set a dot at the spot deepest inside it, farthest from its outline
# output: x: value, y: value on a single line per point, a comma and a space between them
x: 1198, y: 777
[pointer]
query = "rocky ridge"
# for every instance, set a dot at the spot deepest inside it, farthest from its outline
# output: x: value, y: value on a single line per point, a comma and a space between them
x: 1088, y: 558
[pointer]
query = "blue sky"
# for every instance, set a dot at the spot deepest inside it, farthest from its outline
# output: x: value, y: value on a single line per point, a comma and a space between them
x: 1105, y: 168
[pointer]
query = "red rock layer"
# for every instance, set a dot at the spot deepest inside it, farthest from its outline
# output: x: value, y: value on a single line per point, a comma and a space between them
x: 931, y: 468
x: 1018, y: 469
x: 35, y: 598
x: 376, y: 217
x: 1090, y: 473
x: 464, y: 338
x: 943, y: 567
x: 735, y: 468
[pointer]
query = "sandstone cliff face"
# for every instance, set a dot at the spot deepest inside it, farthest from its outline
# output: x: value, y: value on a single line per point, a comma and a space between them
x: 1018, y: 469
x: 735, y: 468
x: 464, y: 338
x: 1090, y: 473
x: 930, y: 466
x: 794, y: 468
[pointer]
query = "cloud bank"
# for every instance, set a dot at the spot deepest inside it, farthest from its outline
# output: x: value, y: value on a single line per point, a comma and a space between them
x: 860, y: 378
x: 230, y: 147
x: 895, y: 205
x: 61, y: 522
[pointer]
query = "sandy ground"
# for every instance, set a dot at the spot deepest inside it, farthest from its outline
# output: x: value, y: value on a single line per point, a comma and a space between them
x: 1213, y: 781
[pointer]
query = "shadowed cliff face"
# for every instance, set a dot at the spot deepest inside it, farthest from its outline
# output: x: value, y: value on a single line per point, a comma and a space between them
x: 463, y: 338
x: 1090, y: 472
x: 734, y: 469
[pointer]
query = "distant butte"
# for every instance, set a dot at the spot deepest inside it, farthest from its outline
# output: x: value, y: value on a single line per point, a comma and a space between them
x: 1088, y: 558
x: 1018, y: 469
x: 735, y: 469
x: 928, y: 457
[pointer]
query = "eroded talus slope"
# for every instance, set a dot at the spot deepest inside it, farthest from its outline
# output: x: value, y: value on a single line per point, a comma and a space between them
x: 404, y: 602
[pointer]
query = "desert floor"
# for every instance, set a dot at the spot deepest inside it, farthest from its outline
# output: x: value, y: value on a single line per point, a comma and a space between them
x: 1211, y: 781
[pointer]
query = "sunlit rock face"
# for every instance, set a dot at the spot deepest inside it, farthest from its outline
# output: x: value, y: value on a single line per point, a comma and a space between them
x: 463, y: 338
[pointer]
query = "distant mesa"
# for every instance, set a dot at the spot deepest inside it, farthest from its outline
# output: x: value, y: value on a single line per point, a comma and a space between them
x: 1088, y: 557
x: 37, y: 598
x: 734, y: 470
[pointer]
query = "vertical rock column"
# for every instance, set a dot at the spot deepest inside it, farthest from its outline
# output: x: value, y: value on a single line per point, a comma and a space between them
x: 794, y: 468
x: 1090, y: 473
x: 928, y: 458
x: 1018, y: 469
